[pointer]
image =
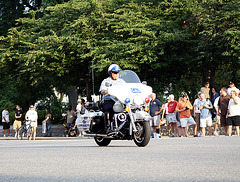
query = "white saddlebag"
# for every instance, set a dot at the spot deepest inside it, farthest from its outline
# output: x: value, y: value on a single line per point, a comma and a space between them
x: 84, y: 122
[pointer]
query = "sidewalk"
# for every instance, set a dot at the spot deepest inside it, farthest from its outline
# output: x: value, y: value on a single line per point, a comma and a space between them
x: 57, y: 131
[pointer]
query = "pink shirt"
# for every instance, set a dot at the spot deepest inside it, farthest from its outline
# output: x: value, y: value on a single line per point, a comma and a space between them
x: 195, y: 106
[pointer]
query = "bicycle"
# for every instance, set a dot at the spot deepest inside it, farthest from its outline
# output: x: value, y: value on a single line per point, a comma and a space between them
x: 26, y: 129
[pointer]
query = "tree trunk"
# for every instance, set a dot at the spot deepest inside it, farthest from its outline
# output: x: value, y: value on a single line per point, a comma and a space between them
x: 208, y: 72
x: 73, y: 96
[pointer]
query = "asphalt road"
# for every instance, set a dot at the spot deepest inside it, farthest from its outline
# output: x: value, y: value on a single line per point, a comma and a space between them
x: 166, y: 159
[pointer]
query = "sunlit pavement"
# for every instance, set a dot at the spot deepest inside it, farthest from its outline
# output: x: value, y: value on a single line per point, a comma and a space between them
x: 80, y: 159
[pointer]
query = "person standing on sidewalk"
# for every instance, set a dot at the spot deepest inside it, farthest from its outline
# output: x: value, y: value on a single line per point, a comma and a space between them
x: 197, y: 114
x: 172, y: 115
x: 71, y: 116
x: 233, y: 113
x: 204, y: 106
x: 48, y: 120
x: 214, y: 94
x: 18, y: 120
x: 80, y: 109
x: 206, y: 90
x: 6, y: 121
x: 184, y: 107
x: 32, y: 116
x: 165, y: 111
x: 222, y: 108
x: 155, y: 110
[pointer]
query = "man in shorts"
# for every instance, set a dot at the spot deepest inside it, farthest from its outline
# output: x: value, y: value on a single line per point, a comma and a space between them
x: 18, y: 120
x: 172, y: 104
x: 6, y: 121
x: 155, y: 110
x: 197, y: 114
x: 233, y: 112
x: 222, y: 109
x: 184, y: 108
x: 204, y: 105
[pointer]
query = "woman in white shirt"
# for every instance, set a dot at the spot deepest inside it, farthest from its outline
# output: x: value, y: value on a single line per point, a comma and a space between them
x: 32, y: 116
x: 233, y: 112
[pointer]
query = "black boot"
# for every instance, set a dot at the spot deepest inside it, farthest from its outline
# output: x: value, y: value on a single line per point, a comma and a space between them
x: 107, y: 122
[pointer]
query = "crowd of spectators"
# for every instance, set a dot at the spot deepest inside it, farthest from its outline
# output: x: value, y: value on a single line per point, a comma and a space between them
x: 210, y: 110
x: 31, y: 117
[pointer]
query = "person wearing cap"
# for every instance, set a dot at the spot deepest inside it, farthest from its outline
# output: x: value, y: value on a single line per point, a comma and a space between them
x: 112, y: 80
x: 196, y: 114
x: 32, y: 116
x: 232, y: 87
x: 222, y: 109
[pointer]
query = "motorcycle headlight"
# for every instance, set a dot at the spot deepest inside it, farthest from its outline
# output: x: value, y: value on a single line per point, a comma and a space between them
x: 138, y: 100
x: 118, y: 107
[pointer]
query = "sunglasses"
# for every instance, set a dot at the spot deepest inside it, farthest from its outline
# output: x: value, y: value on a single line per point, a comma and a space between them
x: 115, y: 73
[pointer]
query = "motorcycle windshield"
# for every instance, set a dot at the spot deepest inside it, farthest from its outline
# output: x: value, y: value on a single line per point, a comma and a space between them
x: 129, y: 76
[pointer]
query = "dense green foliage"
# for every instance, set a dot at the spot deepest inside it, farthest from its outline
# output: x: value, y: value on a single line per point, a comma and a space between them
x: 174, y: 45
x: 14, y: 9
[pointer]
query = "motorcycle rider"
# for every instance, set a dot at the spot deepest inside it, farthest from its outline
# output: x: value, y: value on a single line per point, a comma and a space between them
x: 107, y: 100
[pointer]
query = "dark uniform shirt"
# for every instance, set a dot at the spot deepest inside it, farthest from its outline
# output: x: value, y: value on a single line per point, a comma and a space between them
x: 155, y: 106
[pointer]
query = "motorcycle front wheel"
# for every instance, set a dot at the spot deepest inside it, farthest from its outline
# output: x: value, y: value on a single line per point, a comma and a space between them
x: 143, y: 134
x: 102, y: 141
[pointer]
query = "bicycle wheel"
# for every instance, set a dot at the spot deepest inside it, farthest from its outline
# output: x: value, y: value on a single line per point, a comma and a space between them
x: 23, y: 133
x: 29, y: 131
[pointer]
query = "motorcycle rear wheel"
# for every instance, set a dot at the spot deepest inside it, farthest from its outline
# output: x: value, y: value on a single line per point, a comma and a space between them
x: 102, y: 141
x: 143, y: 134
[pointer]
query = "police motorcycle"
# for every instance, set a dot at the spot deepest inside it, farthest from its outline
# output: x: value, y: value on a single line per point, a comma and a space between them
x: 130, y: 120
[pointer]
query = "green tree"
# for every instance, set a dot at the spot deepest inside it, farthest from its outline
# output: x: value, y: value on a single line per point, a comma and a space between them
x: 168, y: 43
x: 14, y: 9
x: 219, y: 32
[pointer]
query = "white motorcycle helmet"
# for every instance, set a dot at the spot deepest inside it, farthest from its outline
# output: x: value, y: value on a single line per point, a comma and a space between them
x: 113, y: 68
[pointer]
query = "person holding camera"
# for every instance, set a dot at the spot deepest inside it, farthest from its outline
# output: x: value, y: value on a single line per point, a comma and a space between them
x: 233, y: 113
x: 204, y: 105
x: 184, y: 107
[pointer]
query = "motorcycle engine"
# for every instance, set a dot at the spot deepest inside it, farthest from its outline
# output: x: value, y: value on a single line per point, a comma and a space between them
x: 122, y: 117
